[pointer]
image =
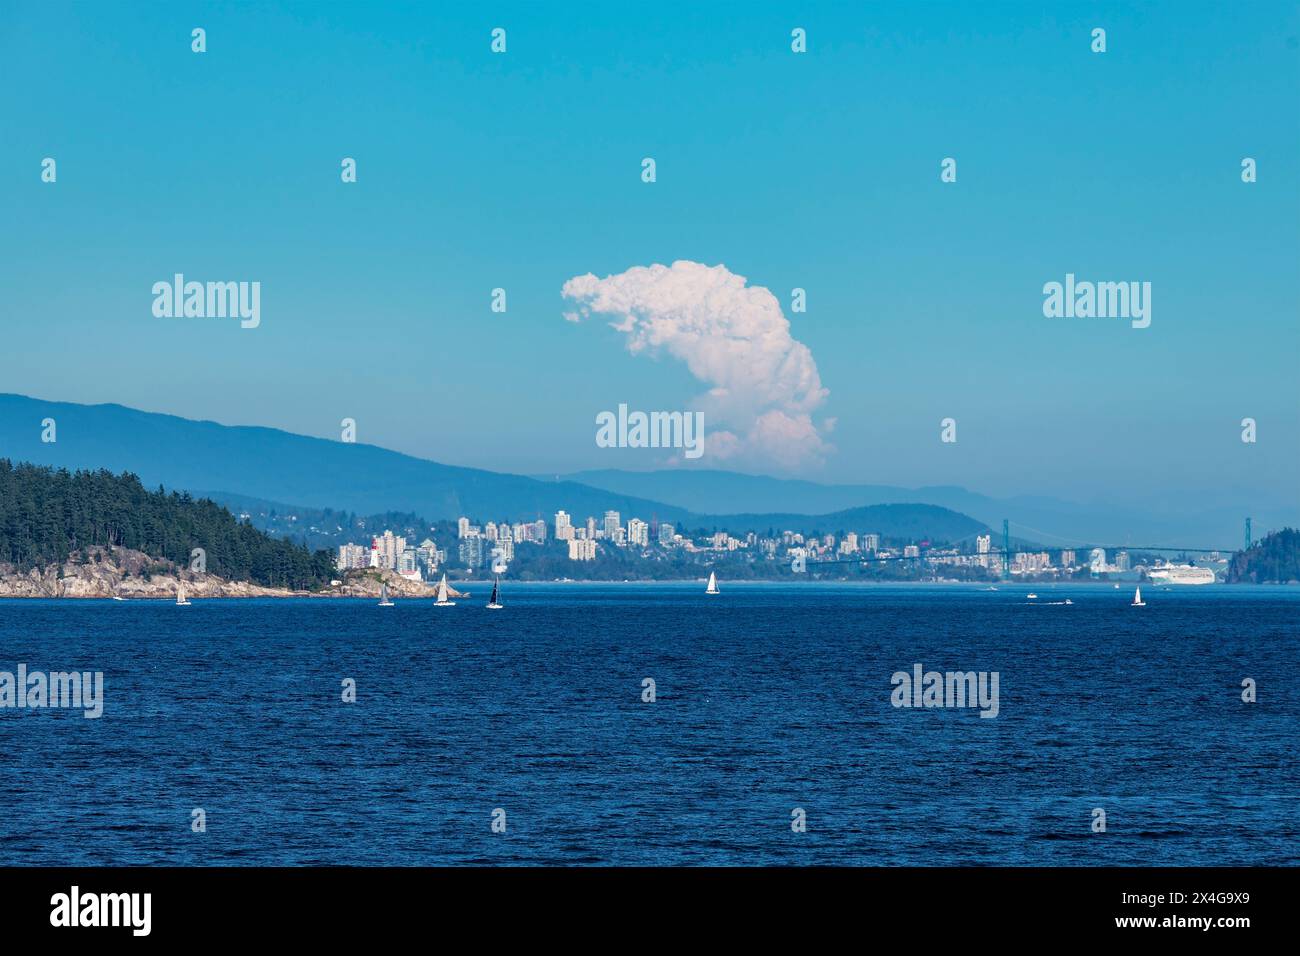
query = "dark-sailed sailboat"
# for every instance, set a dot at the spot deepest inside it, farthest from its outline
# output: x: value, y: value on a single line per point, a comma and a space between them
x: 494, y: 602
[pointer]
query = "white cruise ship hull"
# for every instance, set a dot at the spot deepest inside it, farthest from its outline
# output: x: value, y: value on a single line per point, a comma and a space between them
x: 1181, y: 576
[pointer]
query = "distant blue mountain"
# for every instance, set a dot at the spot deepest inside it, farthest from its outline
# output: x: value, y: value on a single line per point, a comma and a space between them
x: 266, y: 463
x: 1051, y: 522
x: 276, y: 466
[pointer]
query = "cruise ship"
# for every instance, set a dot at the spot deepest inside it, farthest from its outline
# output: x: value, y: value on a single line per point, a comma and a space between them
x: 1180, y: 574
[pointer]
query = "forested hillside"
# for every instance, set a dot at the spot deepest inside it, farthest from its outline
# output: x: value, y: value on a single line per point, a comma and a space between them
x: 1274, y: 559
x: 46, y: 515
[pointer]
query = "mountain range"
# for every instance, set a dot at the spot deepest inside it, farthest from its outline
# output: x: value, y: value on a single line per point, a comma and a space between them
x: 270, y: 465
x: 1051, y: 522
x: 265, y: 464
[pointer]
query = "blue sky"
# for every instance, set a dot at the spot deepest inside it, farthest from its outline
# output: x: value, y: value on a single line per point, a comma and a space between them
x: 818, y: 171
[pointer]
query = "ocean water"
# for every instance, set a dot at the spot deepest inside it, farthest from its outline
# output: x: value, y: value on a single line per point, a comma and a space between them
x: 769, y: 698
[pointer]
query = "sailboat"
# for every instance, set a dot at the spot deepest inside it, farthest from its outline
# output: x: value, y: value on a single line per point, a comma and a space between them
x: 1137, y: 598
x: 713, y: 584
x: 180, y: 596
x: 494, y: 602
x: 383, y: 596
x: 442, y: 594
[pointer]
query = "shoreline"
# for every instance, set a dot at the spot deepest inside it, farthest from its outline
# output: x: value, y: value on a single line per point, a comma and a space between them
x: 105, y: 574
x: 429, y: 593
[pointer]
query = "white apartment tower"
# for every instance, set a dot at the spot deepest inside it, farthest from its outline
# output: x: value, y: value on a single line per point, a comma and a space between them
x: 638, y: 532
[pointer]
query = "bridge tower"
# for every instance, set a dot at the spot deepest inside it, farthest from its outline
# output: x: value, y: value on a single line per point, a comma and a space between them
x: 1247, y: 547
x: 1006, y: 550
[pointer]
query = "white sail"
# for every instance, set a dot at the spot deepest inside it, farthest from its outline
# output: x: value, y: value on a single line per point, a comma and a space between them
x: 713, y: 584
x: 383, y: 596
x: 180, y: 595
x: 1137, y: 598
x: 442, y: 594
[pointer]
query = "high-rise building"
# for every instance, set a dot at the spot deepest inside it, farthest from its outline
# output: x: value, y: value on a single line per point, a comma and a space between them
x: 1067, y: 559
x: 427, y: 558
x: 503, y: 549
x: 583, y: 549
x: 462, y: 528
x: 871, y: 542
x: 638, y: 532
x: 1026, y: 562
x: 407, y: 564
x: 353, y: 556
x: 666, y: 534
x: 611, y: 524
x: 563, y: 526
x: 470, y: 551
x: 528, y: 531
x: 385, y: 549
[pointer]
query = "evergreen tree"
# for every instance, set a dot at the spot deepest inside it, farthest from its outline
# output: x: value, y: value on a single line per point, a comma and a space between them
x: 46, y: 514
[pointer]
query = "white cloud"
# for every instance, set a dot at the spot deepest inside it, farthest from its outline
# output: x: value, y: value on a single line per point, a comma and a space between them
x: 763, y: 386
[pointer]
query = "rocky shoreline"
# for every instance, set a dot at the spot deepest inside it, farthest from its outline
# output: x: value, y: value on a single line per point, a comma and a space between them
x: 131, y: 575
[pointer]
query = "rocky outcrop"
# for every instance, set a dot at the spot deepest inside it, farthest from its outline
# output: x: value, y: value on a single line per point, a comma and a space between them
x: 119, y: 572
x: 367, y: 584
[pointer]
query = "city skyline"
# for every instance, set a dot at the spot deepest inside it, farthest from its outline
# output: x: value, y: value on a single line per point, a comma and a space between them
x: 491, y: 546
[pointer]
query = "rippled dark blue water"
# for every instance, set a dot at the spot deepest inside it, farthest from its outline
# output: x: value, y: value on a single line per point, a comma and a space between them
x: 769, y: 698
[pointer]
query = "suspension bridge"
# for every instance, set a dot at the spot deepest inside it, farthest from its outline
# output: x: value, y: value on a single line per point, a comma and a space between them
x: 1005, y: 552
